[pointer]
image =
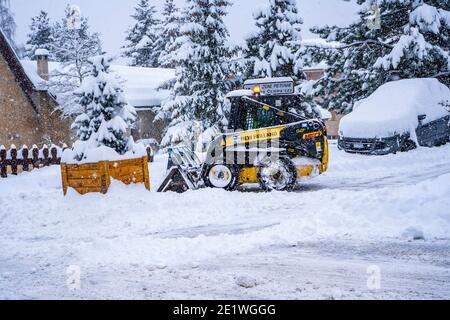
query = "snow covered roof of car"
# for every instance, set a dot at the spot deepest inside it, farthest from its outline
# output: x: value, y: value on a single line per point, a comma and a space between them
x: 394, y: 109
x: 140, y: 84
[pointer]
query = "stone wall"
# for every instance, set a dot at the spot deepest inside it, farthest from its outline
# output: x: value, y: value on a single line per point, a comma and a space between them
x: 21, y: 122
x: 146, y: 128
x: 333, y: 125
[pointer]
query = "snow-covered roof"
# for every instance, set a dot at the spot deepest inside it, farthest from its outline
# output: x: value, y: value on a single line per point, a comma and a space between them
x: 320, y: 66
x: 140, y: 84
x: 30, y: 68
x: 394, y: 109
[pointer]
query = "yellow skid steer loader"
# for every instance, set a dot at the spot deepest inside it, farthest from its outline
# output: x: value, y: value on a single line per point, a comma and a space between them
x: 267, y: 144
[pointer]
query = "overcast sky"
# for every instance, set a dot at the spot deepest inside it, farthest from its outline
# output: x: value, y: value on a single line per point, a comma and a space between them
x: 112, y: 17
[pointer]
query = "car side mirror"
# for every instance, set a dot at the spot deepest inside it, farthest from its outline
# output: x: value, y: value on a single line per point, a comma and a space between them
x: 422, y: 117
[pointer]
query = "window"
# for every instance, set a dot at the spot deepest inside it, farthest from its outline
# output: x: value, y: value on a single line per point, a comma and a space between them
x: 256, y: 118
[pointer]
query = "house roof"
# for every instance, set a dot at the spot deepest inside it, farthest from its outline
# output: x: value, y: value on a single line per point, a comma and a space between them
x: 140, y: 84
x: 11, y: 58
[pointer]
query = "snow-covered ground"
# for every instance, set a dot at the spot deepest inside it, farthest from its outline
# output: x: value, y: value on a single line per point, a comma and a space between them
x: 315, y: 243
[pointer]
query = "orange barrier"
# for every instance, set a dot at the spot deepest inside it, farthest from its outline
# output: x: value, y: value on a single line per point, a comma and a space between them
x: 96, y: 177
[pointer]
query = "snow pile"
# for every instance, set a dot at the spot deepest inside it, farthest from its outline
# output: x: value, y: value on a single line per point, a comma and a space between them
x: 102, y: 153
x: 394, y: 109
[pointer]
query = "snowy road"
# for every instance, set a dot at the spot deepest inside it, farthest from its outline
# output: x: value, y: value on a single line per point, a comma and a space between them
x: 316, y: 243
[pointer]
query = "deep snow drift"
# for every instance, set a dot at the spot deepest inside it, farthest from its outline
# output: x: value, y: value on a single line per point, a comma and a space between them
x: 135, y: 244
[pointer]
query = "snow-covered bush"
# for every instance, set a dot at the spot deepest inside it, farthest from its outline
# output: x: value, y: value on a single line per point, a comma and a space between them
x: 103, y: 130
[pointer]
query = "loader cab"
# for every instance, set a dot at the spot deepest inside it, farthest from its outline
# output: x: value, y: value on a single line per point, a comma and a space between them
x: 250, y: 107
x: 248, y: 115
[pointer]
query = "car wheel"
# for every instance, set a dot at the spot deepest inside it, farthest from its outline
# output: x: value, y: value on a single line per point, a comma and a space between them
x: 278, y: 175
x: 408, y: 145
x: 444, y: 141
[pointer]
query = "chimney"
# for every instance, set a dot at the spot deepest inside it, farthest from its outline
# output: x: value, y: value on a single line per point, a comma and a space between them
x: 42, y: 63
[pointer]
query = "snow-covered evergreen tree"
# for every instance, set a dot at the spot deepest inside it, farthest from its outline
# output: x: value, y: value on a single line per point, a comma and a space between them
x: 75, y: 44
x: 7, y: 23
x: 72, y: 46
x: 412, y: 41
x: 170, y: 30
x: 202, y: 58
x: 40, y: 36
x: 141, y: 45
x: 107, y: 117
x: 271, y: 50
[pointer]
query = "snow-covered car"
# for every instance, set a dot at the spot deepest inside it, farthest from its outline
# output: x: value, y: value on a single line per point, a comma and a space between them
x: 398, y: 116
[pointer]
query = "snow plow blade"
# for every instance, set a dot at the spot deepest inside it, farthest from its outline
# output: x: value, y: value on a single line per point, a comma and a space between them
x: 184, y: 171
x: 176, y: 181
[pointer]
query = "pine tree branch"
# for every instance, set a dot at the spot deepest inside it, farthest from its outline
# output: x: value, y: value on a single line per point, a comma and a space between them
x: 354, y: 44
x: 441, y: 74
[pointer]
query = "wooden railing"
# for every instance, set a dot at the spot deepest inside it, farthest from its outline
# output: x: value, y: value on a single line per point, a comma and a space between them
x: 26, y: 159
x: 14, y: 161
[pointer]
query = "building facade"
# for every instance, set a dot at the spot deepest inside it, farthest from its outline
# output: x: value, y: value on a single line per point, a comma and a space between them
x: 27, y: 113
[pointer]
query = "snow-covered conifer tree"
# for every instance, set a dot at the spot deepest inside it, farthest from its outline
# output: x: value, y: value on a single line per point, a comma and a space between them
x: 7, y: 23
x: 40, y: 36
x: 73, y: 46
x: 141, y: 45
x: 170, y: 29
x: 271, y: 50
x: 107, y: 117
x: 203, y: 59
x: 412, y: 41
